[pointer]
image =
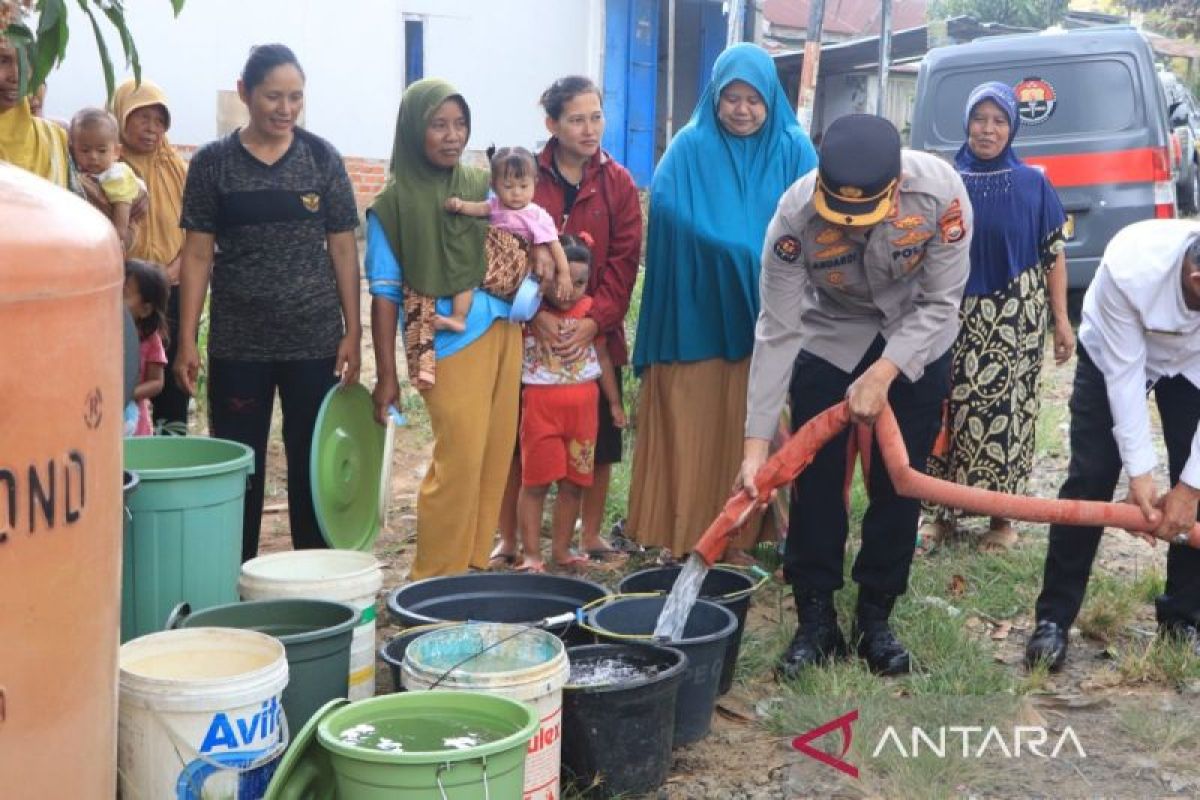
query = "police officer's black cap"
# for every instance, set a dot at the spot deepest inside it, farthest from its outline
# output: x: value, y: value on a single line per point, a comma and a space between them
x: 859, y: 167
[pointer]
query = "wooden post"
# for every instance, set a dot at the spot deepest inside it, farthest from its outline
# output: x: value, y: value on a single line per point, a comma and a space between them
x: 812, y: 58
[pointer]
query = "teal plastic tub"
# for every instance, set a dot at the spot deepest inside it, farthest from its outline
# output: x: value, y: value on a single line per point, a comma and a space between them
x: 183, y: 532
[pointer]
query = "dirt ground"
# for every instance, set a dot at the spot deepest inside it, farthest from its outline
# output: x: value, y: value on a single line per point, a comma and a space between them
x: 743, y: 758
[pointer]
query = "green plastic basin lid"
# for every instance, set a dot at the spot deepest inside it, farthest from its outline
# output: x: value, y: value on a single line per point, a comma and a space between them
x: 303, y: 748
x: 347, y: 456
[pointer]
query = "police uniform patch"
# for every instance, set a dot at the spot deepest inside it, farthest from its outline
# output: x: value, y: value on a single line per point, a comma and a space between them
x: 786, y: 248
x: 912, y: 237
x: 834, y: 251
x: 909, y: 222
x: 311, y: 201
x: 829, y: 236
x: 951, y: 224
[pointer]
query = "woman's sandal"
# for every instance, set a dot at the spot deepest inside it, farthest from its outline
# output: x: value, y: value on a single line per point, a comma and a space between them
x: 998, y: 540
x: 575, y: 564
x: 499, y: 561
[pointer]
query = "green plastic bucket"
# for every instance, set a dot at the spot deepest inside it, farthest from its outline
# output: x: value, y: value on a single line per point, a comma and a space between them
x: 183, y: 536
x: 316, y: 635
x: 452, y: 746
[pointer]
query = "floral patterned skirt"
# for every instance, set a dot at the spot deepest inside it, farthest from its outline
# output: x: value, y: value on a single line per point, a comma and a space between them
x: 994, y: 398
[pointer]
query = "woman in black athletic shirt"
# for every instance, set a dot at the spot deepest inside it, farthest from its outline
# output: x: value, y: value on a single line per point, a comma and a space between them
x: 270, y: 216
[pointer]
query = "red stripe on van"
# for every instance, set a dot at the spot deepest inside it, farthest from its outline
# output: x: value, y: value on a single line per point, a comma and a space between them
x: 1137, y: 165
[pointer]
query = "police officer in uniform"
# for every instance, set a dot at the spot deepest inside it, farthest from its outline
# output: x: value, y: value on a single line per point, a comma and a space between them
x: 864, y: 266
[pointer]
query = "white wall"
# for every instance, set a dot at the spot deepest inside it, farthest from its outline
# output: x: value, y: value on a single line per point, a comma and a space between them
x: 500, y: 53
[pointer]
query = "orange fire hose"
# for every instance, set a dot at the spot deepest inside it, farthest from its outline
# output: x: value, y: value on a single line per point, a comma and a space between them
x: 799, y: 451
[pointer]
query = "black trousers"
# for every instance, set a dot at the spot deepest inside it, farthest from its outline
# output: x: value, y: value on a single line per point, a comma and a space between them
x: 816, y: 540
x: 241, y: 396
x: 171, y: 405
x: 1092, y: 475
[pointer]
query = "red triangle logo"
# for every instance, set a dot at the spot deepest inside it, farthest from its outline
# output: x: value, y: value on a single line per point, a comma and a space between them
x: 843, y: 723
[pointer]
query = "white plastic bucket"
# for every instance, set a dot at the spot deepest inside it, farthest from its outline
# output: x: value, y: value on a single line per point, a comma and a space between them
x: 512, y: 661
x: 346, y: 576
x: 200, y: 714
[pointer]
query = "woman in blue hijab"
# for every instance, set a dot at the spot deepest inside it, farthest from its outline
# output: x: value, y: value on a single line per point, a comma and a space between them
x: 711, y: 199
x: 1016, y: 260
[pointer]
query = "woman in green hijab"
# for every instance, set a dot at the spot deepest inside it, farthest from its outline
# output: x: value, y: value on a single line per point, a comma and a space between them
x: 417, y: 257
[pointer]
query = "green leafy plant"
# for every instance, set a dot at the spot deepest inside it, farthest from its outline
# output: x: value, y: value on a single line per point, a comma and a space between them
x: 39, y: 29
x: 1021, y: 13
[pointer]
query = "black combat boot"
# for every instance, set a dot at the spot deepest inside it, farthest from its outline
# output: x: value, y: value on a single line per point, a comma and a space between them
x: 876, y: 643
x: 817, y: 639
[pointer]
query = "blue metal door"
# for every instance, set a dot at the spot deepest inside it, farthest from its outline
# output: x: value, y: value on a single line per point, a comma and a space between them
x: 714, y: 31
x: 631, y: 83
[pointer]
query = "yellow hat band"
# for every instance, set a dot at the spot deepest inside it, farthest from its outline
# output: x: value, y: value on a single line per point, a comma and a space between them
x: 849, y: 198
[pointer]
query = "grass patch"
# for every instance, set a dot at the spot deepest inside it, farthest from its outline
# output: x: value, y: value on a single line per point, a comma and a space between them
x: 413, y: 407
x: 1148, y: 585
x: 762, y: 644
x: 1159, y: 730
x: 1049, y: 436
x: 1158, y: 660
x: 1113, y: 602
x: 1110, y: 606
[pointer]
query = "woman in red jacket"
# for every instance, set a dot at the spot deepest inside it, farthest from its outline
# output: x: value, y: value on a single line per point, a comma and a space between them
x: 585, y: 191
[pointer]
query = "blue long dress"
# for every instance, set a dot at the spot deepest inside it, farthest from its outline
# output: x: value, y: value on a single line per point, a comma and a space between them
x: 711, y: 200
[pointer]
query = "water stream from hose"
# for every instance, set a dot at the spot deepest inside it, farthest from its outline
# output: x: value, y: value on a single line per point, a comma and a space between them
x: 673, y: 618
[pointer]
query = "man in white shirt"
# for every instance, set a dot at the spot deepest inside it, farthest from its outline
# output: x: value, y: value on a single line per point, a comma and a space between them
x: 1140, y: 330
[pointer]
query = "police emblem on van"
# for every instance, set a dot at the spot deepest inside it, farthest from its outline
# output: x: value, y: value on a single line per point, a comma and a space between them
x: 1036, y: 100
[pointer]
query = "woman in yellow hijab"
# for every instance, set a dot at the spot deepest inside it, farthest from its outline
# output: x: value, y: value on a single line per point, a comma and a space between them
x: 144, y: 118
x: 33, y: 144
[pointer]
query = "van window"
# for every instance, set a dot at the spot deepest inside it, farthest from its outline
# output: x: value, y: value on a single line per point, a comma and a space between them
x: 1080, y: 106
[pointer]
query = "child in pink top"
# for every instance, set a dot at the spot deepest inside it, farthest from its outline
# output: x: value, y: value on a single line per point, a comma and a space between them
x: 511, y: 208
x: 146, y: 293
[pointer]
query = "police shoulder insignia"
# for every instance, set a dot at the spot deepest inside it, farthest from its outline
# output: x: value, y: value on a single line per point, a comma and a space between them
x: 951, y: 224
x: 311, y: 201
x: 786, y: 248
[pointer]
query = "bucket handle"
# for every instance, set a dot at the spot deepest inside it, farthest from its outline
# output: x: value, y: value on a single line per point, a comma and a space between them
x: 445, y: 767
x: 183, y: 748
x: 178, y: 616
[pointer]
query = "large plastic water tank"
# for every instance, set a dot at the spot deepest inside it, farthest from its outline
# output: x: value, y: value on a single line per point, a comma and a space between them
x: 60, y: 491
